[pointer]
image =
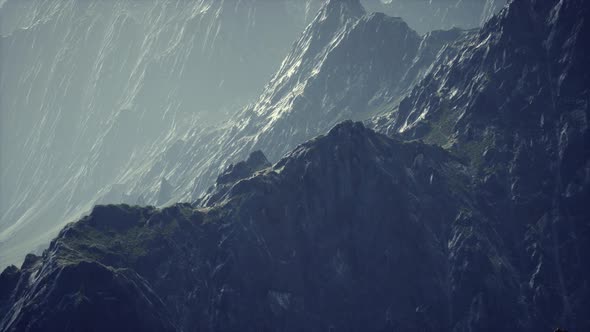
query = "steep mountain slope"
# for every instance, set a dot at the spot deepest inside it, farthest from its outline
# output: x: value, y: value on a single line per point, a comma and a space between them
x: 514, y: 104
x: 91, y: 89
x: 352, y: 230
x: 346, y: 65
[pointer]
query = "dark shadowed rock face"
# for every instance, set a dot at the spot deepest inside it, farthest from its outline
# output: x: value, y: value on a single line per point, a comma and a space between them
x: 514, y: 104
x: 352, y: 230
x: 255, y: 162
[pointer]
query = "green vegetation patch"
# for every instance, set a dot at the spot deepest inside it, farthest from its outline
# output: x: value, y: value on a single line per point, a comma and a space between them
x: 118, y: 235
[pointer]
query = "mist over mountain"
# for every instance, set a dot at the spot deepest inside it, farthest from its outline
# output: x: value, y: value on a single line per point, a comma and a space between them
x: 109, y: 102
x: 90, y: 89
x: 347, y: 64
x: 458, y: 203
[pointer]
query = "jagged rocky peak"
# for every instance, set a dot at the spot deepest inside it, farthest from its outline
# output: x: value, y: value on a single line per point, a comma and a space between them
x: 351, y: 142
x: 256, y: 161
x: 8, y: 279
x: 339, y: 70
x: 391, y: 30
x: 347, y: 129
x: 349, y: 133
x: 330, y: 20
x: 342, y: 8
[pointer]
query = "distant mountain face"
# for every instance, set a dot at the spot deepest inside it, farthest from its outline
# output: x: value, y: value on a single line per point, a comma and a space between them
x: 346, y: 65
x: 201, y: 46
x: 90, y: 89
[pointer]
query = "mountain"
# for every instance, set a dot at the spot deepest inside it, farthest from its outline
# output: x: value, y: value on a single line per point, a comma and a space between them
x: 468, y: 212
x: 347, y: 64
x: 513, y: 103
x: 352, y: 230
x: 348, y: 231
x: 120, y: 101
x: 90, y: 90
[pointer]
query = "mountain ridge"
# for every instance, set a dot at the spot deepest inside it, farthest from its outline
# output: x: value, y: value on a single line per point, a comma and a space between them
x: 155, y: 244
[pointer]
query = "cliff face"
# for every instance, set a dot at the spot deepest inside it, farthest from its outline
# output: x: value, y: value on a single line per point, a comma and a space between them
x: 514, y: 104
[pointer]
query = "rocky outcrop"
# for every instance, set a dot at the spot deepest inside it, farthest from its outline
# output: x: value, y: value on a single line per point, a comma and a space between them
x: 244, y: 169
